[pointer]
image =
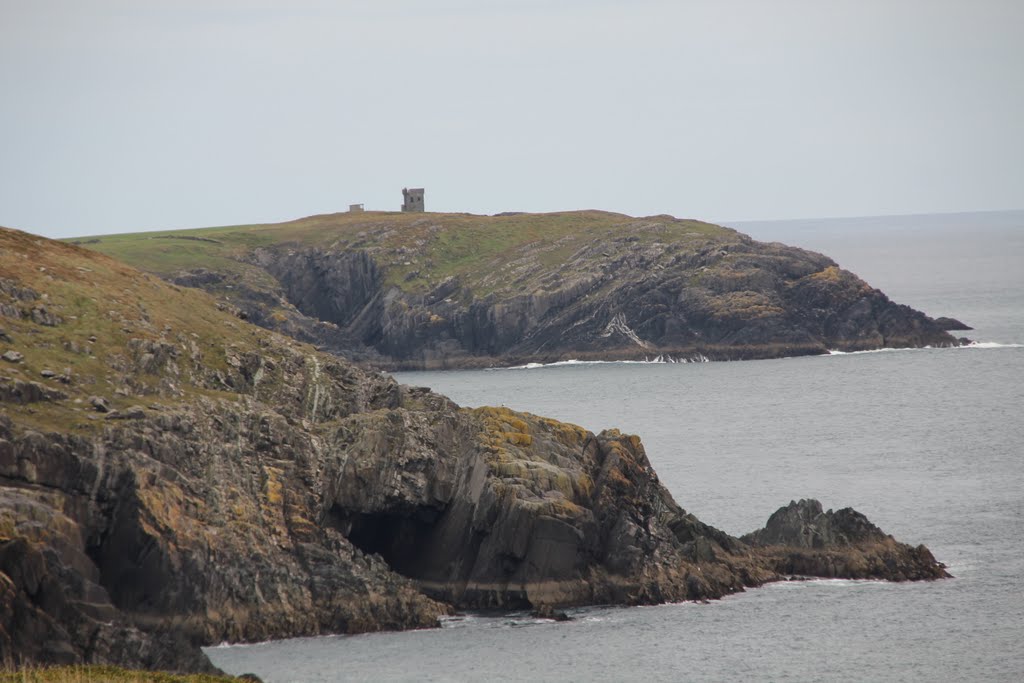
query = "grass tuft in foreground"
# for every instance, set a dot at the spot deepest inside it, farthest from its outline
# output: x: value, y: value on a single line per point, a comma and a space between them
x: 104, y: 674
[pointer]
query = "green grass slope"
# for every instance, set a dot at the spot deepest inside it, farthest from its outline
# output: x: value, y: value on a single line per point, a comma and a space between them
x: 105, y: 674
x: 416, y: 250
x: 100, y: 320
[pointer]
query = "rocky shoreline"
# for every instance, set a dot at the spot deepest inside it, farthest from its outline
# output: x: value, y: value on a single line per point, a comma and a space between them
x: 738, y: 300
x: 123, y: 549
x: 173, y: 477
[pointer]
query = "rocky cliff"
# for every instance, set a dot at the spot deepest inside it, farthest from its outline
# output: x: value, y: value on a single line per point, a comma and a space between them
x: 447, y: 290
x: 172, y: 476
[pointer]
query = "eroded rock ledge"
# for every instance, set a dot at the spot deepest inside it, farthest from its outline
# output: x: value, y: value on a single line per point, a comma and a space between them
x: 192, y: 527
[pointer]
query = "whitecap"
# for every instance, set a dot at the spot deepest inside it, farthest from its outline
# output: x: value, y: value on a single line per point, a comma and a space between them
x: 991, y: 345
x: 657, y: 360
x: 888, y: 349
x: 664, y: 359
x: 972, y: 345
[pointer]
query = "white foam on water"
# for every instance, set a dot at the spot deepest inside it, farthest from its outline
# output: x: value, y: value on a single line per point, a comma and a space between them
x: 668, y: 359
x: 991, y: 345
x: 457, y: 620
x: 657, y: 360
x: 520, y: 623
x: 831, y: 583
x: 835, y: 352
x: 972, y: 345
x: 535, y: 366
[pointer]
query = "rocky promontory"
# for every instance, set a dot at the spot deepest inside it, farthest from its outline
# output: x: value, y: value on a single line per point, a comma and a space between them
x: 172, y: 476
x: 417, y: 291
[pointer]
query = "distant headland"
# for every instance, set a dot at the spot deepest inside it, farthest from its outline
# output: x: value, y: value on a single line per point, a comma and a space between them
x: 417, y: 290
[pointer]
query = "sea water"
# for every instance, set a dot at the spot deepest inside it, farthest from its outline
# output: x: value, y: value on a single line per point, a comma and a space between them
x: 928, y: 443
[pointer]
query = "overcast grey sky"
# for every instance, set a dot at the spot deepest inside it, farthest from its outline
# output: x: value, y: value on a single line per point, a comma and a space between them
x: 135, y: 114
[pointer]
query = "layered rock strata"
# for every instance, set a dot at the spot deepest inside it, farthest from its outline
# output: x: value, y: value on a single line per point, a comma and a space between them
x: 737, y: 300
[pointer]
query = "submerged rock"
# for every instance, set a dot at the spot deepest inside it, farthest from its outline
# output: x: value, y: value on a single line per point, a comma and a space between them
x: 549, y: 612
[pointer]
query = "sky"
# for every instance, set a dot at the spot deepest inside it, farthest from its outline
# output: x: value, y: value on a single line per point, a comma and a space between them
x: 127, y: 115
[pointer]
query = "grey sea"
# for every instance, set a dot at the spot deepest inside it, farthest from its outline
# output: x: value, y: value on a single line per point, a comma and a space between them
x: 928, y: 443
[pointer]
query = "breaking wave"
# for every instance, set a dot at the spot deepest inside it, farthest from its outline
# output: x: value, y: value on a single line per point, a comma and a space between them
x: 701, y: 358
x: 991, y: 345
x: 657, y: 360
x: 972, y: 345
x: 836, y: 352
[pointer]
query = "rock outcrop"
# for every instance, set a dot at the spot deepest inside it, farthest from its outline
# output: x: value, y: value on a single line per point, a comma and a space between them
x: 196, y: 479
x: 802, y: 539
x: 452, y: 290
x: 952, y: 324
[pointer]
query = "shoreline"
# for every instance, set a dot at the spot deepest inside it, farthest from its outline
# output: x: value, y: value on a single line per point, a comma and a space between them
x: 669, y: 359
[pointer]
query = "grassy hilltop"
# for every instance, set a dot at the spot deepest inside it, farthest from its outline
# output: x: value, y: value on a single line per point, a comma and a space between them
x: 417, y: 250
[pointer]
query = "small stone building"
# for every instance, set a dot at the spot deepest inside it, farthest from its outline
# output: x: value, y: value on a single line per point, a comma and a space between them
x: 355, y: 208
x: 412, y: 199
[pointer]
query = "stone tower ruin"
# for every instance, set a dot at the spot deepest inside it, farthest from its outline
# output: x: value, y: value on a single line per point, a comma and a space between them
x: 412, y: 199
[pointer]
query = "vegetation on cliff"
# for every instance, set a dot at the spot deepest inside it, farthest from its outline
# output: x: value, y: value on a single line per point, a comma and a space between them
x: 449, y: 290
x: 417, y: 251
x: 173, y: 476
x: 105, y: 674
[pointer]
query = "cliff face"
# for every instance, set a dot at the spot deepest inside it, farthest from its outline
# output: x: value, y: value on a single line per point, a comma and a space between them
x: 443, y: 290
x: 171, y: 476
x: 770, y: 301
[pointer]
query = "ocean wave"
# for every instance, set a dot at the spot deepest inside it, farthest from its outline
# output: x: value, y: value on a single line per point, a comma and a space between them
x: 823, y: 581
x: 701, y: 358
x: 972, y: 345
x: 836, y: 352
x: 657, y: 360
x: 991, y: 345
x: 492, y: 620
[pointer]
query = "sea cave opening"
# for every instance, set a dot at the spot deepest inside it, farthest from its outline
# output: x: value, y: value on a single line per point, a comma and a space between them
x: 401, y: 537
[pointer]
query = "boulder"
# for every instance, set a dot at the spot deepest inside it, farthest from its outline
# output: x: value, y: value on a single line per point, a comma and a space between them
x: 18, y: 391
x: 132, y: 413
x: 549, y: 612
